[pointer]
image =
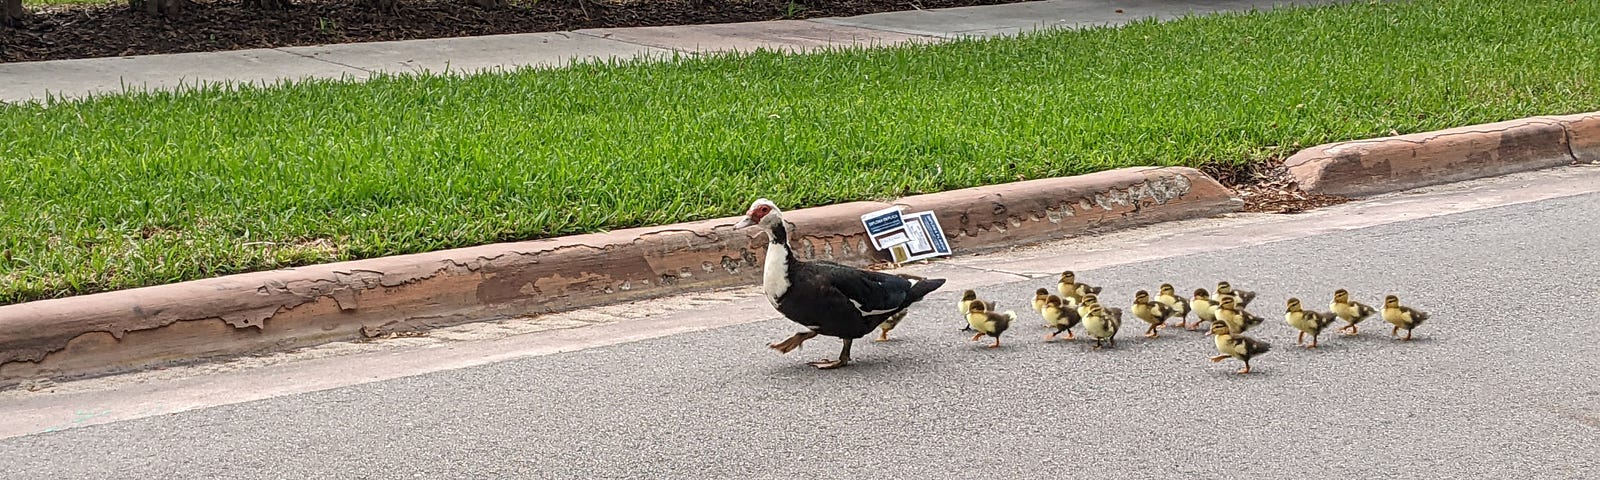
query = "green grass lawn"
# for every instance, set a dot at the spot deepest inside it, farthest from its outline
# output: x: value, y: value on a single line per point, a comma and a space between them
x: 144, y: 189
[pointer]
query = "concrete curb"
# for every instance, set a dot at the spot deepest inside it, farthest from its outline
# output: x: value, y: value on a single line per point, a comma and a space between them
x: 1389, y: 164
x: 289, y: 308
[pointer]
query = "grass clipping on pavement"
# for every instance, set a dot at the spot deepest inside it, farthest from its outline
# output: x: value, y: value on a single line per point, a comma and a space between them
x: 150, y: 188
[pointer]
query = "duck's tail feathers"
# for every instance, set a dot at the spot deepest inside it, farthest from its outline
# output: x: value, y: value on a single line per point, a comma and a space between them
x: 921, y: 288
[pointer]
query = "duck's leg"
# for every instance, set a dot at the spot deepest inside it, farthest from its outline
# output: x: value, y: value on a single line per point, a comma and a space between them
x: 1408, y: 335
x: 883, y: 335
x: 1151, y: 332
x: 1394, y: 332
x: 1070, y: 336
x: 844, y: 358
x: 1300, y: 339
x: 1313, y: 340
x: 793, y: 342
x: 996, y: 342
x: 976, y: 336
x: 1219, y: 358
x: 1246, y: 368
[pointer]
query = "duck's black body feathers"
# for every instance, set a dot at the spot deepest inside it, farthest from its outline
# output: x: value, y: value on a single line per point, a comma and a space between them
x: 840, y: 301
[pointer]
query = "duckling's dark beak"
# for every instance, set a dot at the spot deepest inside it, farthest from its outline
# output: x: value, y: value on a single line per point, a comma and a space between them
x: 746, y: 222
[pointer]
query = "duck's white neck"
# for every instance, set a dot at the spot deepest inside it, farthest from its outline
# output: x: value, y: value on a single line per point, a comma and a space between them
x: 775, y: 271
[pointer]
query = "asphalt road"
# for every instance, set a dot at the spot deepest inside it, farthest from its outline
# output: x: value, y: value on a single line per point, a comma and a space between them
x: 1501, y: 383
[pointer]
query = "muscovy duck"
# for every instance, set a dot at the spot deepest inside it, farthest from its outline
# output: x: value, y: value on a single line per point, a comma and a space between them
x: 826, y: 297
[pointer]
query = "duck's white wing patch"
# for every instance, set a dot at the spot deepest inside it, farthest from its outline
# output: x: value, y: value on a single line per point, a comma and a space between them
x: 870, y: 312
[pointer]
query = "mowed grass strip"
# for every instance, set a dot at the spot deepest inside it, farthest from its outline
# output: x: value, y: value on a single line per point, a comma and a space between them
x: 142, y: 189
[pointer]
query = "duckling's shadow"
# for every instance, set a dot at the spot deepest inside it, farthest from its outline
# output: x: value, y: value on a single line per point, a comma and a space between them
x: 1365, y: 340
x: 1325, y: 348
x: 1163, y: 338
x: 1232, y: 373
x: 1088, y: 347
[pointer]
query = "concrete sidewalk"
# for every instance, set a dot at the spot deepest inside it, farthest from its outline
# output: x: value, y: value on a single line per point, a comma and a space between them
x: 76, y: 78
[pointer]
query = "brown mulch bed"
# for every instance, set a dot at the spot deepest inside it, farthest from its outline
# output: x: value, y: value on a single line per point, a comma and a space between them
x: 1266, y: 187
x: 108, y: 30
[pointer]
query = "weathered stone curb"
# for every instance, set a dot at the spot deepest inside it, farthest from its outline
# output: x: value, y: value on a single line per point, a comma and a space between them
x: 281, y: 309
x: 1390, y: 164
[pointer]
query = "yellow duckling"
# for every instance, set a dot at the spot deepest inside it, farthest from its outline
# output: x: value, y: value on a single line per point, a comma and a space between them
x: 1236, y: 319
x: 1401, y: 316
x: 1204, y: 309
x: 1153, y: 313
x: 1349, y: 311
x: 1231, y: 344
x: 1069, y: 288
x: 1085, y: 303
x: 1102, y: 324
x: 1060, y: 317
x: 988, y: 323
x: 1180, y: 307
x: 963, y: 306
x: 894, y: 320
x: 1242, y: 297
x: 887, y: 325
x: 1039, y: 297
x: 1307, y: 321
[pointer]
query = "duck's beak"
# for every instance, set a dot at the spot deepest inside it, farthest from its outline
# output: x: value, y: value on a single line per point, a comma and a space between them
x: 744, y: 223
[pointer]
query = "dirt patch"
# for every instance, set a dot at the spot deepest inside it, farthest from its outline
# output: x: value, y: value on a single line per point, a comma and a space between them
x: 109, y: 30
x: 1267, y: 187
x: 1283, y: 200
